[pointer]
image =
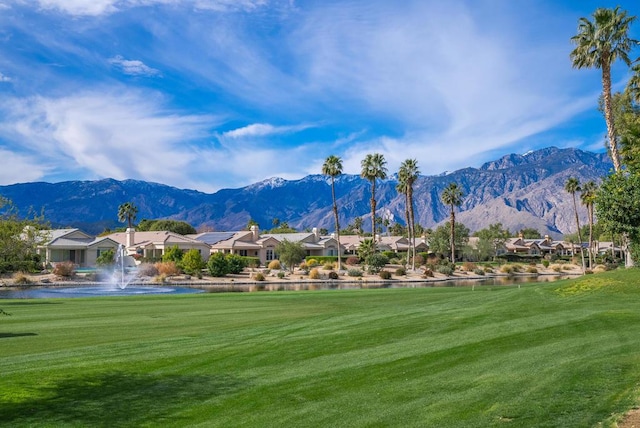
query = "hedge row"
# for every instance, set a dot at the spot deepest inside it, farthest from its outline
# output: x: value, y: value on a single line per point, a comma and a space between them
x: 20, y: 266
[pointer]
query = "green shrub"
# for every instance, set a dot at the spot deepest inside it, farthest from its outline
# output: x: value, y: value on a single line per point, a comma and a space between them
x: 478, y: 271
x: 274, y: 264
x: 106, y: 258
x: 354, y: 272
x: 328, y: 266
x: 217, y: 265
x: 281, y: 274
x: 445, y: 270
x: 545, y: 263
x: 192, y: 262
x: 385, y: 274
x: 401, y: 271
x: 251, y: 262
x: 172, y: 254
x: 389, y: 254
x: 314, y: 274
x: 312, y: 262
x: 375, y: 262
x: 236, y: 263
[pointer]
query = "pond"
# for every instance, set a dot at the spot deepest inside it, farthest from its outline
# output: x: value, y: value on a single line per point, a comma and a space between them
x: 132, y: 290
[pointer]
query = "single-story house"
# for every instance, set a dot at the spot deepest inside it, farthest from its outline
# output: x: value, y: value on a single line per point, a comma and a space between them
x: 62, y: 245
x: 152, y: 245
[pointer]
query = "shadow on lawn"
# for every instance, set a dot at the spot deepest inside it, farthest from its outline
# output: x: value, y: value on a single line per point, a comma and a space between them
x: 115, y: 399
x: 5, y: 335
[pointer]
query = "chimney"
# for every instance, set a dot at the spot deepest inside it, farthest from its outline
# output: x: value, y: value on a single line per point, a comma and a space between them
x: 130, y: 234
x: 255, y: 235
x: 316, y: 234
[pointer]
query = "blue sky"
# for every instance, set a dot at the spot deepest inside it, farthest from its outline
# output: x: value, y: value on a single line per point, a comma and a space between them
x: 211, y: 94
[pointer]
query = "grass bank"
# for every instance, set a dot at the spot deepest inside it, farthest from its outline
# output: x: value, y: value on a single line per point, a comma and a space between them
x: 560, y: 354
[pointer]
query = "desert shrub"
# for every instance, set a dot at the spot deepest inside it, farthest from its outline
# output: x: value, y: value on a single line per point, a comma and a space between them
x: 333, y: 275
x: 545, y: 263
x: 328, y: 266
x: 506, y: 268
x: 167, y: 268
x: 488, y: 269
x: 532, y: 269
x: 147, y: 269
x: 312, y: 262
x: 468, y: 266
x: 517, y: 268
x: 314, y: 274
x: 192, y: 262
x: 20, y: 278
x: 385, y: 274
x: 420, y: 260
x: 236, y: 263
x: 281, y: 274
x: 274, y: 264
x: 352, y: 261
x: 428, y: 273
x: 401, y: 271
x: 567, y: 267
x: 64, y: 269
x: 588, y: 272
x: 479, y: 271
x: 258, y: 277
x: 600, y: 268
x: 354, y: 272
x: 445, y: 270
x: 304, y: 267
x: 160, y: 279
x: 556, y: 268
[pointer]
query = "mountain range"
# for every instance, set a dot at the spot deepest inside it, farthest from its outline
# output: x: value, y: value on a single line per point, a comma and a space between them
x: 517, y: 190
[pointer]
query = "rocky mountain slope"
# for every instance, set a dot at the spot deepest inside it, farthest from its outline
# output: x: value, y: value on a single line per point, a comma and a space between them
x: 516, y: 190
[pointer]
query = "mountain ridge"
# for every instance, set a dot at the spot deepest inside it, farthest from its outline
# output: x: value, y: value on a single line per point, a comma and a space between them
x: 517, y: 190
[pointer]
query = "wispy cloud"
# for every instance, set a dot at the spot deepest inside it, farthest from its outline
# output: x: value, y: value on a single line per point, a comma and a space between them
x: 262, y: 130
x: 133, y: 67
x: 4, y: 78
x: 101, y: 7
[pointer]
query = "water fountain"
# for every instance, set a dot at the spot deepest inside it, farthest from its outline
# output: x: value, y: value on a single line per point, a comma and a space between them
x: 121, y: 274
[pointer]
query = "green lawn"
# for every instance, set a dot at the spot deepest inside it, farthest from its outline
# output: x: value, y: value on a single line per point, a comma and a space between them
x: 563, y: 354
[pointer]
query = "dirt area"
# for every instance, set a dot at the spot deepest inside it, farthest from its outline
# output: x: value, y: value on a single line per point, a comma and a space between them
x: 631, y: 419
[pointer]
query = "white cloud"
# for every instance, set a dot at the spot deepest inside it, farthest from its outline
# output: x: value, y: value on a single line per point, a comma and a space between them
x: 104, y: 134
x: 27, y: 168
x: 262, y: 130
x: 4, y: 78
x: 102, y: 7
x: 132, y: 67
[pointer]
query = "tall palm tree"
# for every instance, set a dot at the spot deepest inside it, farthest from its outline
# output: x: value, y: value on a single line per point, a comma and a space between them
x: 588, y: 198
x: 452, y: 196
x: 332, y: 167
x: 374, y: 166
x: 127, y: 212
x: 599, y: 43
x: 409, y: 174
x: 401, y: 187
x: 572, y: 186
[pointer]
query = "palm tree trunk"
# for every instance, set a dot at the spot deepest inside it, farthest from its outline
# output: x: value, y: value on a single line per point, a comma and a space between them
x: 408, y: 217
x: 412, y: 221
x: 575, y: 210
x: 453, y: 236
x: 608, y: 114
x: 591, y: 252
x: 335, y: 215
x: 373, y: 209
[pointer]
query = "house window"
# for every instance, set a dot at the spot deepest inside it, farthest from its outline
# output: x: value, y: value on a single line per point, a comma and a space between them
x: 243, y: 253
x: 269, y: 254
